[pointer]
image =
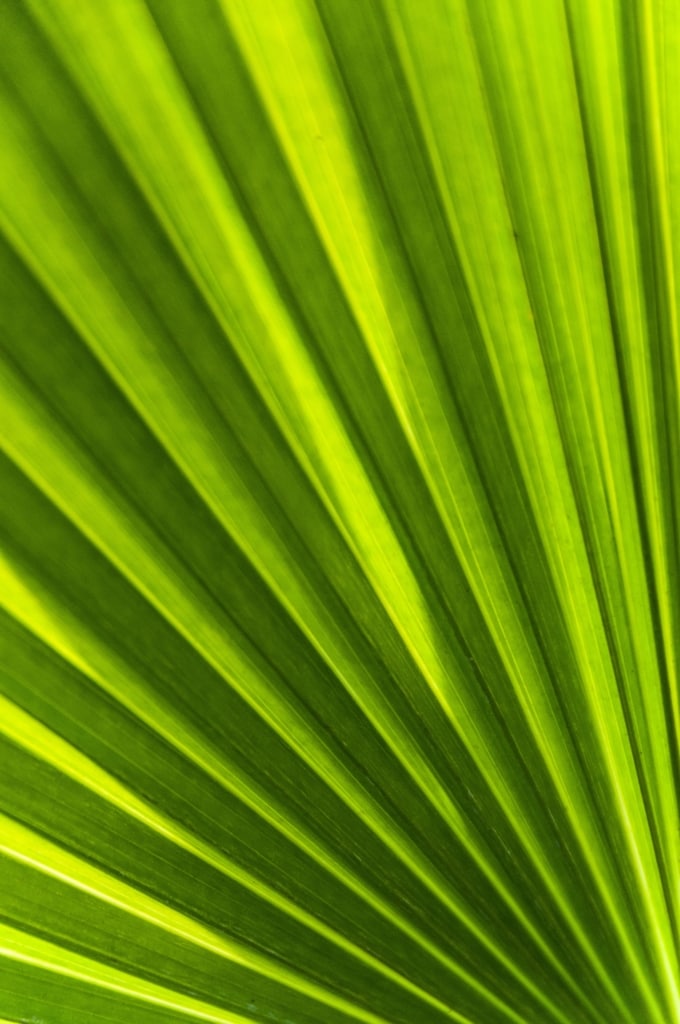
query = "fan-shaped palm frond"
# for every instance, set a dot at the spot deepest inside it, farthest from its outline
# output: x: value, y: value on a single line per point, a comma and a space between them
x: 339, y: 372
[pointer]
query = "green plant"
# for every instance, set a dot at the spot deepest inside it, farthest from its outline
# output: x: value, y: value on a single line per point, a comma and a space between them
x: 339, y: 373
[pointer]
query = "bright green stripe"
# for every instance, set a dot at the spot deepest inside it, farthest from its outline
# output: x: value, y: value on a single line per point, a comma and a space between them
x: 540, y: 726
x: 37, y: 617
x: 538, y: 431
x: 19, y: 946
x: 197, y: 750
x: 340, y: 199
x: 46, y: 745
x: 376, y: 707
x: 429, y: 783
x: 600, y: 78
x: 24, y: 845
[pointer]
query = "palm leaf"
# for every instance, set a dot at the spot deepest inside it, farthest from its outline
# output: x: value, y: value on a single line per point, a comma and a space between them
x: 339, y: 371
